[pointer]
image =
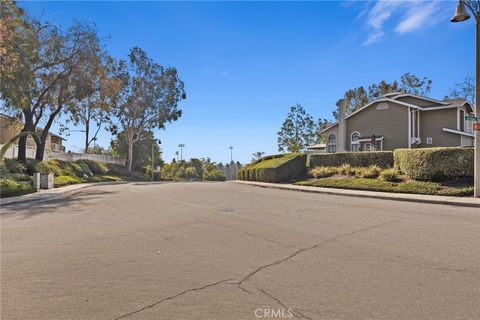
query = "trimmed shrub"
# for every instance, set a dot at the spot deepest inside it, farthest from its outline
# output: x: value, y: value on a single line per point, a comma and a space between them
x: 435, y: 164
x: 383, y: 159
x: 390, y: 175
x: 11, y: 188
x: 277, y: 168
x: 323, y: 172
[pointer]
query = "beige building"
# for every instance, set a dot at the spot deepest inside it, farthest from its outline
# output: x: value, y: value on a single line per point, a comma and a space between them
x: 399, y: 120
x: 10, y: 127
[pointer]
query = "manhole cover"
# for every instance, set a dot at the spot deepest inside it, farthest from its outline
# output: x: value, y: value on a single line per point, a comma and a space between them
x: 227, y: 210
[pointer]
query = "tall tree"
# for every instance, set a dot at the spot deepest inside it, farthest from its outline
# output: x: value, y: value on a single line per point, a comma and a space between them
x: 408, y: 83
x: 257, y: 155
x: 298, y: 130
x: 93, y: 112
x: 49, y: 76
x: 142, y: 151
x: 464, y: 90
x: 322, y: 124
x: 12, y: 36
x: 148, y: 99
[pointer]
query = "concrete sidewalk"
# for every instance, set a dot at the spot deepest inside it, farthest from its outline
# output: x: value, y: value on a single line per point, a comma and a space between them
x: 454, y: 201
x: 52, y: 194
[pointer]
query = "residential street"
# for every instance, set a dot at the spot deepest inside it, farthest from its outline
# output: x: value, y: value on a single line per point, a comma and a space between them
x: 225, y: 251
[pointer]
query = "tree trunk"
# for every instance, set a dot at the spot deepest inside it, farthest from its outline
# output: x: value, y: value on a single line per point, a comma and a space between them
x: 87, y: 133
x: 41, y: 147
x: 22, y: 142
x: 43, y: 138
x: 130, y: 156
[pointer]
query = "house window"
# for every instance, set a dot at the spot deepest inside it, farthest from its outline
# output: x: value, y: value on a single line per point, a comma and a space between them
x: 332, y: 143
x: 354, y: 143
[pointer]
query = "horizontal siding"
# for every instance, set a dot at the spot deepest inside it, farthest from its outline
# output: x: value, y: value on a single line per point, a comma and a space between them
x: 392, y: 123
x: 432, y: 124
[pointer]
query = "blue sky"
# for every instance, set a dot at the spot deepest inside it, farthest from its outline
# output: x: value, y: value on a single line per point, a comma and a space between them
x: 245, y: 63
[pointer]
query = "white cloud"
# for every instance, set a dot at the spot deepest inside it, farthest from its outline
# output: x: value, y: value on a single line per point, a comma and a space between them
x: 417, y: 17
x: 407, y: 15
x: 225, y: 73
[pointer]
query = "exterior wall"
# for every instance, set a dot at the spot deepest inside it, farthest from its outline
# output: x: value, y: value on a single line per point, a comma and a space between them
x: 333, y: 130
x: 392, y: 123
x: 466, y: 141
x: 432, y: 124
x: 9, y: 128
x: 71, y: 156
x: 416, y: 101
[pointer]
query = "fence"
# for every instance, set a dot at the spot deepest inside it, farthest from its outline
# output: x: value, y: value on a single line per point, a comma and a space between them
x: 71, y: 156
x: 12, y: 152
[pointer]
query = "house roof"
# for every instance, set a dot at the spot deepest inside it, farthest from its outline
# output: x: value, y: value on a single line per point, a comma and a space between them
x: 392, y: 97
x: 38, y: 128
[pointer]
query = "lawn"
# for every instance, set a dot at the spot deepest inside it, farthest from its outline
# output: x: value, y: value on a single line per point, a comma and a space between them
x: 458, y: 188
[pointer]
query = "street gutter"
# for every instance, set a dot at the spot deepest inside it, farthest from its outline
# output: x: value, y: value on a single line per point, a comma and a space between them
x: 445, y: 200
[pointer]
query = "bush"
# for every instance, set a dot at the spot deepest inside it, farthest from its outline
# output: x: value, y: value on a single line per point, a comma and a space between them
x: 117, y: 169
x: 277, y: 168
x: 13, y: 166
x: 369, y: 173
x: 323, y: 172
x: 346, y: 169
x: 11, y: 188
x: 390, y: 175
x: 383, y: 159
x: 61, y: 181
x: 103, y: 179
x: 435, y: 164
x: 213, y: 175
x: 96, y: 167
x: 191, y: 172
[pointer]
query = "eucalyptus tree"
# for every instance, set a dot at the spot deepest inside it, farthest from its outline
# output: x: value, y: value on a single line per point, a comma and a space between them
x: 50, y: 77
x: 147, y: 100
x: 298, y: 131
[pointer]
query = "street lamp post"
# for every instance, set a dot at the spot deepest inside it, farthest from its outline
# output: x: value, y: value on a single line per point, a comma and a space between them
x: 460, y: 15
x: 231, y: 154
x: 181, y: 146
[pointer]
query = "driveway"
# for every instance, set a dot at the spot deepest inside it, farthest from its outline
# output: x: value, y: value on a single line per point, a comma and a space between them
x: 230, y: 251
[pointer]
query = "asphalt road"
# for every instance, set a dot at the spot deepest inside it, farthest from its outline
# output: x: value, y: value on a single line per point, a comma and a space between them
x: 229, y: 251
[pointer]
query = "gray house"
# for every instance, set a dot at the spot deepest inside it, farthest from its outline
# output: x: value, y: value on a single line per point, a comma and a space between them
x: 400, y: 120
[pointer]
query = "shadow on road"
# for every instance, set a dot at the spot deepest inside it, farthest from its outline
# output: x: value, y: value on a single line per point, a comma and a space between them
x: 32, y: 208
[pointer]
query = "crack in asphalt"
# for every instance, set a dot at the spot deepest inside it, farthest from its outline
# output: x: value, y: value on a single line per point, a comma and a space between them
x: 171, y: 298
x: 259, y: 269
x: 296, y: 313
x: 344, y: 235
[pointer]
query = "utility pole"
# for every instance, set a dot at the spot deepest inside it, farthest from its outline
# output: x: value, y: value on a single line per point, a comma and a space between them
x: 460, y: 15
x: 181, y: 146
x: 231, y: 154
x: 152, y: 161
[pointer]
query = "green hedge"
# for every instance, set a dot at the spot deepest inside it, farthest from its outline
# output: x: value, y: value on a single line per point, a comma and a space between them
x: 276, y: 168
x: 435, y: 164
x: 383, y: 159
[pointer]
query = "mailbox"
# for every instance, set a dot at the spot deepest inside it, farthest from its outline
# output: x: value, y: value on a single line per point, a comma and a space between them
x: 46, y: 180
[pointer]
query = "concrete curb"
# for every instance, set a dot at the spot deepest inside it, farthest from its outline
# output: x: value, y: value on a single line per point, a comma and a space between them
x: 453, y: 201
x: 54, y: 194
